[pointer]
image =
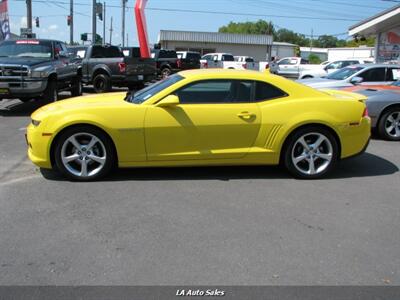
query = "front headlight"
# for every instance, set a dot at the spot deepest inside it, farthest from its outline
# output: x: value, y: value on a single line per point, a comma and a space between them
x: 35, y: 123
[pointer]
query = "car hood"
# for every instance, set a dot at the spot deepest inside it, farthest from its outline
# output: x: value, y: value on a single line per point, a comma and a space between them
x: 31, y: 62
x: 324, y: 83
x: 81, y: 104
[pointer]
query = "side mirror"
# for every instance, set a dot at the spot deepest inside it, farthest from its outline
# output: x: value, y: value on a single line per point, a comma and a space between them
x: 169, y: 101
x: 63, y: 54
x: 356, y: 80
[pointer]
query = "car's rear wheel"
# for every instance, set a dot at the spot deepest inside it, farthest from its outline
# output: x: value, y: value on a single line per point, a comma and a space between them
x: 311, y: 152
x: 102, y: 83
x: 306, y: 77
x: 389, y: 124
x: 84, y: 153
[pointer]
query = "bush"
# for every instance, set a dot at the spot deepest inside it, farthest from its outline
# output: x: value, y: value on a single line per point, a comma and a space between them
x: 314, y: 59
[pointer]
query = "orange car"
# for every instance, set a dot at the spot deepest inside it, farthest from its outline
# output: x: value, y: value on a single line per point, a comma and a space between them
x: 395, y: 86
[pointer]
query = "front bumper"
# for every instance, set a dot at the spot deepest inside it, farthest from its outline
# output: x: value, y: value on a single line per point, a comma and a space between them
x: 38, y: 147
x: 18, y: 88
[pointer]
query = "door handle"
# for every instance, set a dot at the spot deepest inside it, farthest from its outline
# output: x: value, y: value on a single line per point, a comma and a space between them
x: 245, y: 115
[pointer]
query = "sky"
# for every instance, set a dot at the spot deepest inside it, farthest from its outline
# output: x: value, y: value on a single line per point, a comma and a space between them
x: 303, y: 16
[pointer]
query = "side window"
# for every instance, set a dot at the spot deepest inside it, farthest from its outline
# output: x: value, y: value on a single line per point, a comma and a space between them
x: 226, y: 57
x: 266, y: 91
x: 97, y: 52
x: 284, y: 62
x: 375, y: 74
x: 57, y: 48
x: 334, y: 65
x: 392, y: 74
x: 110, y: 52
x: 216, y: 91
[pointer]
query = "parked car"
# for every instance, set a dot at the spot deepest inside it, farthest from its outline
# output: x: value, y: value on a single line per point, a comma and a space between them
x: 106, y: 66
x: 383, y: 105
x: 291, y: 66
x: 167, y: 62
x: 189, y: 60
x: 367, y: 74
x: 225, y: 61
x: 37, y: 69
x: 324, y: 70
x: 245, y: 118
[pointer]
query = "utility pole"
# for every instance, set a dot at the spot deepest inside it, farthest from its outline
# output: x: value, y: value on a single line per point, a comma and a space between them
x: 111, y: 31
x: 71, y: 26
x: 123, y: 22
x: 127, y: 40
x: 104, y: 23
x: 29, y: 13
x: 94, y: 20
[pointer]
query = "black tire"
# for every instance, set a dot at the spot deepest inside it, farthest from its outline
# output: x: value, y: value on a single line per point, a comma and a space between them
x: 292, y: 146
x: 51, y: 93
x: 165, y: 72
x: 105, y: 149
x: 307, y: 77
x: 383, y: 122
x: 76, y: 87
x: 102, y: 83
x: 25, y: 99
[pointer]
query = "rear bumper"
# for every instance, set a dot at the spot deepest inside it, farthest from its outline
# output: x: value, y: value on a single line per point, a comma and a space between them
x: 355, y: 138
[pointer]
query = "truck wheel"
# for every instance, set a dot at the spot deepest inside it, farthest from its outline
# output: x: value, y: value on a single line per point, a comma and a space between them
x: 165, y: 72
x: 76, y: 87
x: 51, y: 93
x: 102, y: 83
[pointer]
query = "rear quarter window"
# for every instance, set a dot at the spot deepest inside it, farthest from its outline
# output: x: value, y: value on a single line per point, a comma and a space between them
x: 265, y: 91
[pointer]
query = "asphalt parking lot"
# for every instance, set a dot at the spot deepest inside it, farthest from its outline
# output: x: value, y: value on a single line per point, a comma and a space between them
x: 203, y: 226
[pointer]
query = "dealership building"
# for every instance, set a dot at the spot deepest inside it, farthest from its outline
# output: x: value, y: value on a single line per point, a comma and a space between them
x: 385, y: 26
x: 260, y: 47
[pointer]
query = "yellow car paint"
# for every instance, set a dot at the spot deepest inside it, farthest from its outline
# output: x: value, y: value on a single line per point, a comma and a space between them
x: 203, y: 134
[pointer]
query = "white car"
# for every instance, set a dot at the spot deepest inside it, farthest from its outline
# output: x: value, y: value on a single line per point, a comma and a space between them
x: 226, y: 61
x: 367, y: 74
x: 330, y: 67
x: 291, y: 66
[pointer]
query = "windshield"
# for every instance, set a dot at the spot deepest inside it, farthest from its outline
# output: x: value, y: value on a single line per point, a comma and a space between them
x: 144, y: 94
x: 26, y: 48
x: 344, y: 73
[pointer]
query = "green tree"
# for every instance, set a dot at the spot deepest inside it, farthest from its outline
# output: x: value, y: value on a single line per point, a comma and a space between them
x: 359, y: 42
x: 314, y: 59
x: 259, y: 27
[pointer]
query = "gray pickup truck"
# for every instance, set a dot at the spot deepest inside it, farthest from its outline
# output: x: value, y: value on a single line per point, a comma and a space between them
x: 37, y: 69
x: 107, y: 66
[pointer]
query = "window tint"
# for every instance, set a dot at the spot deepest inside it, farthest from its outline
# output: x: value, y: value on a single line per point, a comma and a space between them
x: 348, y: 63
x: 375, y: 74
x: 227, y: 57
x: 265, y: 91
x: 216, y: 91
x: 167, y: 54
x: 193, y: 56
x: 392, y: 74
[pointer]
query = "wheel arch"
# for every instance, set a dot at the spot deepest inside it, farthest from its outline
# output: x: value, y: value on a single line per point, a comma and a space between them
x: 384, y: 110
x: 301, y: 126
x: 101, y: 70
x: 69, y: 126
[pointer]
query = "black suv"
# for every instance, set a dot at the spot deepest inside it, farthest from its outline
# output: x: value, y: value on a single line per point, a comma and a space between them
x: 35, y: 69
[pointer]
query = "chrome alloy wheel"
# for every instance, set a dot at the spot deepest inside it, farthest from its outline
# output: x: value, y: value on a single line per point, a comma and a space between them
x: 392, y: 124
x: 312, y: 153
x: 83, y: 154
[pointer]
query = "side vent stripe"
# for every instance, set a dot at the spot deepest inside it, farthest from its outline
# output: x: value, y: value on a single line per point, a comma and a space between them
x: 272, y: 136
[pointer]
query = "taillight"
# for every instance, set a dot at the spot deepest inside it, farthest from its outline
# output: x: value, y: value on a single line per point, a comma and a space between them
x: 267, y: 66
x: 244, y: 66
x: 365, y: 113
x: 179, y: 63
x: 205, y: 64
x: 122, y: 67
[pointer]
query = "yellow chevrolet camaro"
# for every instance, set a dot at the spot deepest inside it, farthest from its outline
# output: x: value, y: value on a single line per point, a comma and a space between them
x: 198, y: 118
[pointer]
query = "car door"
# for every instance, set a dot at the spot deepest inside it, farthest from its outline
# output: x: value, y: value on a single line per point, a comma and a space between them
x: 214, y: 120
x: 288, y: 66
x: 61, y: 63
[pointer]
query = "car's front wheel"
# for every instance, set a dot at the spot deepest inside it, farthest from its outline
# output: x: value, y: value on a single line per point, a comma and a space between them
x: 389, y: 124
x: 311, y: 152
x: 84, y: 153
